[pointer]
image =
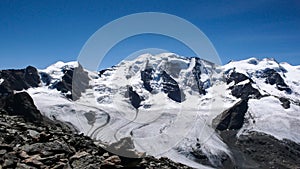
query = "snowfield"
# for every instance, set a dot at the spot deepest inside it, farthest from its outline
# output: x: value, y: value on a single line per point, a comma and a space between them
x: 162, y: 126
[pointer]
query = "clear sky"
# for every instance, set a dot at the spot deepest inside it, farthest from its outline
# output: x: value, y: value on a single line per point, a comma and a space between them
x: 41, y: 32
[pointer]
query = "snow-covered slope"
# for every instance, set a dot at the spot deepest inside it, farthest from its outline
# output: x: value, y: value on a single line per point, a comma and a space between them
x: 167, y: 104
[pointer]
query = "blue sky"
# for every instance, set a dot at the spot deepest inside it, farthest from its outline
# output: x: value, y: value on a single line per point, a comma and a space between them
x: 40, y: 32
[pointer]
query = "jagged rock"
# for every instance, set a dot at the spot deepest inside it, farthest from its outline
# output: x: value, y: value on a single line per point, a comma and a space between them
x: 34, y: 160
x: 23, y: 166
x: 48, y: 148
x: 79, y: 155
x: 170, y: 86
x: 101, y: 72
x: 285, y: 102
x: 18, y: 80
x: 232, y: 118
x: 134, y: 98
x: 237, y: 77
x: 22, y: 104
x: 197, y: 75
x: 86, y: 162
x: 74, y: 81
x: 272, y: 77
x: 153, y: 163
x: 245, y: 91
x: 5, y: 91
x: 146, y: 77
x: 284, y: 154
x: 46, y: 78
x: 113, y: 159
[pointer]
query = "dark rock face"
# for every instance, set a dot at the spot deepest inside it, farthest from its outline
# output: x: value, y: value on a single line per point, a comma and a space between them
x: 66, y: 84
x: 45, y: 78
x: 134, y: 98
x: 233, y: 118
x: 245, y: 91
x: 285, y: 102
x: 197, y: 75
x: 274, y: 78
x: 257, y: 150
x: 237, y: 78
x: 170, y: 86
x: 146, y: 77
x: 18, y: 80
x: 5, y: 91
x: 22, y: 104
x: 268, y: 151
x: 102, y: 71
x: 32, y: 77
x: 77, y: 75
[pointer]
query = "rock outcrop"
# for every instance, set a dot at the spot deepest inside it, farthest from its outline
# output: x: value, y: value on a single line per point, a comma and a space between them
x: 18, y: 80
x: 73, y: 83
x: 232, y: 118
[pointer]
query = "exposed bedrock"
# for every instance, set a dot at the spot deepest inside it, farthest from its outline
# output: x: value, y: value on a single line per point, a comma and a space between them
x: 74, y: 81
x: 18, y: 80
x: 232, y: 118
x: 274, y: 78
x: 134, y: 98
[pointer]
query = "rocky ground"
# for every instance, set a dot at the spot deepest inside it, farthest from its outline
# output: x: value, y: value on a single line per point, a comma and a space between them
x: 28, y: 145
x: 261, y: 151
x: 28, y: 140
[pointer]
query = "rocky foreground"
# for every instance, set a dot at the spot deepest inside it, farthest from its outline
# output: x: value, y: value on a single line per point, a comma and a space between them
x: 29, y: 140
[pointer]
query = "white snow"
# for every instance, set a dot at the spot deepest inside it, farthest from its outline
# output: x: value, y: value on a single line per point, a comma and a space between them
x: 55, y: 70
x: 164, y: 123
x: 1, y: 81
x: 271, y: 118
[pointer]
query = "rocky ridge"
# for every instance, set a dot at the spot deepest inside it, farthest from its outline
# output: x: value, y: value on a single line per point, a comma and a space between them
x: 271, y: 85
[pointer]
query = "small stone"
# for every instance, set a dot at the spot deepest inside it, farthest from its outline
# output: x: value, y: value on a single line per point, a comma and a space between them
x: 60, y: 165
x: 79, y: 155
x: 34, y: 160
x: 113, y: 159
x: 2, y: 152
x: 8, y: 163
x: 64, y: 160
x: 23, y: 154
x: 23, y: 166
x: 6, y: 147
x: 33, y: 133
x: 105, y: 155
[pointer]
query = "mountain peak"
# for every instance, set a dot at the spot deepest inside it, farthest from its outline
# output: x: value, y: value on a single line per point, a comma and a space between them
x: 166, y: 94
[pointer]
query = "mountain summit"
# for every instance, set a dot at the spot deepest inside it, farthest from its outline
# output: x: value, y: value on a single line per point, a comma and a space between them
x: 244, y: 114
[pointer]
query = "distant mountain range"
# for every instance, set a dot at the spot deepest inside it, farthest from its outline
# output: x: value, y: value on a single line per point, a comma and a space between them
x: 245, y: 114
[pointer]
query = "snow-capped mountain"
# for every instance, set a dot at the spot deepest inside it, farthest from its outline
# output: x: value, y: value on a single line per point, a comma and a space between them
x: 187, y: 109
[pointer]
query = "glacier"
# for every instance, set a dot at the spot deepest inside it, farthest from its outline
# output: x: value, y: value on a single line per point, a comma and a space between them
x: 166, y: 126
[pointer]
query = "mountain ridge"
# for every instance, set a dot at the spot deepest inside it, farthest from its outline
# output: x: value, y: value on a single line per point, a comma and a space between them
x: 232, y: 96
